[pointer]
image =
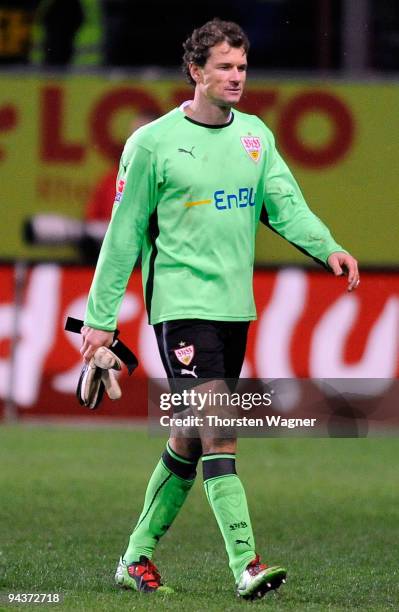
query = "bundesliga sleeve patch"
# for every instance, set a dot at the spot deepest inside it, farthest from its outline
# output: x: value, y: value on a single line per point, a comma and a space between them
x: 253, y: 146
x: 119, y: 190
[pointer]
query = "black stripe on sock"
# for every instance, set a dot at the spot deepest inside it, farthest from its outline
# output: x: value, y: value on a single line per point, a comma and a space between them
x: 183, y: 470
x: 218, y: 454
x: 218, y: 467
x: 163, y: 483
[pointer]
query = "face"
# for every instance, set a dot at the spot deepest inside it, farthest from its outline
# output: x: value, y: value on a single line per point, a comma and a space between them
x: 222, y: 79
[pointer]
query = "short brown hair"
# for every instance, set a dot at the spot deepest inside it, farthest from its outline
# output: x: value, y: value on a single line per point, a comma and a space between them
x: 197, y: 46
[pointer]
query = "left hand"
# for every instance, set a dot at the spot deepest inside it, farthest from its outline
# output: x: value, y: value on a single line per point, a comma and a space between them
x: 93, y: 339
x: 343, y: 263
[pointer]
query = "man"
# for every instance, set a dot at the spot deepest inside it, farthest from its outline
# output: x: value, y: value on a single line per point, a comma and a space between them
x: 192, y: 187
x: 16, y: 30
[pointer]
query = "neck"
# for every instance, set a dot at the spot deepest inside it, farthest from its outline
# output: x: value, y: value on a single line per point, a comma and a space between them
x: 204, y: 112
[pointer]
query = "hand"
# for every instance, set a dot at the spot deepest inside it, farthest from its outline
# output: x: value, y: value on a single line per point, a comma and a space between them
x: 339, y: 262
x: 93, y: 339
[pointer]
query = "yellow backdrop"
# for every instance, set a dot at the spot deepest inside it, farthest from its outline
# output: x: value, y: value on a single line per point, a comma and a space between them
x: 59, y: 135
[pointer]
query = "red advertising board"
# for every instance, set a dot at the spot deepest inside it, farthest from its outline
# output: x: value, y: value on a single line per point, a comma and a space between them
x: 308, y: 327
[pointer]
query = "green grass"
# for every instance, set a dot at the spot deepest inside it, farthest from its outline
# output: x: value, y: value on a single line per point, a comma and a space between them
x: 327, y: 509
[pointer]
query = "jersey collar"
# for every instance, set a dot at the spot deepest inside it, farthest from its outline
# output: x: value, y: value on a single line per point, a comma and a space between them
x: 206, y: 125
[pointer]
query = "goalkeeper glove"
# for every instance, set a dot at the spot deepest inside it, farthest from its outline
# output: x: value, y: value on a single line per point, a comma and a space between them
x: 98, y: 376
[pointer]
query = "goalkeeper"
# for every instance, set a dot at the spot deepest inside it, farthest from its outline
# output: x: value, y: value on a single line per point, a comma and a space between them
x: 191, y: 190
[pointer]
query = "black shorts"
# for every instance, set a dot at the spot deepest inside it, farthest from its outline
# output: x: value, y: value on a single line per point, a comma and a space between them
x: 196, y: 348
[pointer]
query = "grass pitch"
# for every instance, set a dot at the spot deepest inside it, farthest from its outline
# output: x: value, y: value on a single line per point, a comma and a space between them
x: 326, y: 509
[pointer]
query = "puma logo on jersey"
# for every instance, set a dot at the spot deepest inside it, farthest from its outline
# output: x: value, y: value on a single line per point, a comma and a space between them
x: 191, y: 372
x: 188, y: 152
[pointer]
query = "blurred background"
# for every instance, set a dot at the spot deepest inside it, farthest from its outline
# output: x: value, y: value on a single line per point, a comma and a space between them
x: 78, y: 76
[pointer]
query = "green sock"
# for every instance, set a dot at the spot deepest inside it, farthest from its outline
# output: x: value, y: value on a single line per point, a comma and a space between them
x: 166, y: 492
x: 227, y: 499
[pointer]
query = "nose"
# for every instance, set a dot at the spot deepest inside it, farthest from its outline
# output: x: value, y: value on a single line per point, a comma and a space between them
x: 235, y: 75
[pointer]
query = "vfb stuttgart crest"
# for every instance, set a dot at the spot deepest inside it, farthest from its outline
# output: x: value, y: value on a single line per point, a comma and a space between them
x: 185, y: 355
x: 253, y: 146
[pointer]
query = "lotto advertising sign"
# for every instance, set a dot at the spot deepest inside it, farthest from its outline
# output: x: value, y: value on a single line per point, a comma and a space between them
x: 58, y: 135
x: 308, y: 327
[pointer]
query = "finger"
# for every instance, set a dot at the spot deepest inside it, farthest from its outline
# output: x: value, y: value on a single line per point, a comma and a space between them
x: 86, y: 350
x: 336, y: 268
x: 354, y: 284
x: 88, y: 354
x: 353, y: 272
x: 353, y: 276
x: 83, y: 349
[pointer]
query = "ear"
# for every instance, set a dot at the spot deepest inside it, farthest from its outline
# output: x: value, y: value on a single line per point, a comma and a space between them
x: 196, y: 73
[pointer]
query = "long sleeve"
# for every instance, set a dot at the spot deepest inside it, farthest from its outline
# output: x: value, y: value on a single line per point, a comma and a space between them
x: 135, y: 200
x: 285, y: 211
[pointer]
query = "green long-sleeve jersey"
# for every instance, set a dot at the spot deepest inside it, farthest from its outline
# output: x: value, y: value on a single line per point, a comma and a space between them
x: 189, y: 198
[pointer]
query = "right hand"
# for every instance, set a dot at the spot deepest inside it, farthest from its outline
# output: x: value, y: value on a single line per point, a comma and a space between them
x: 93, y: 339
x: 340, y: 263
